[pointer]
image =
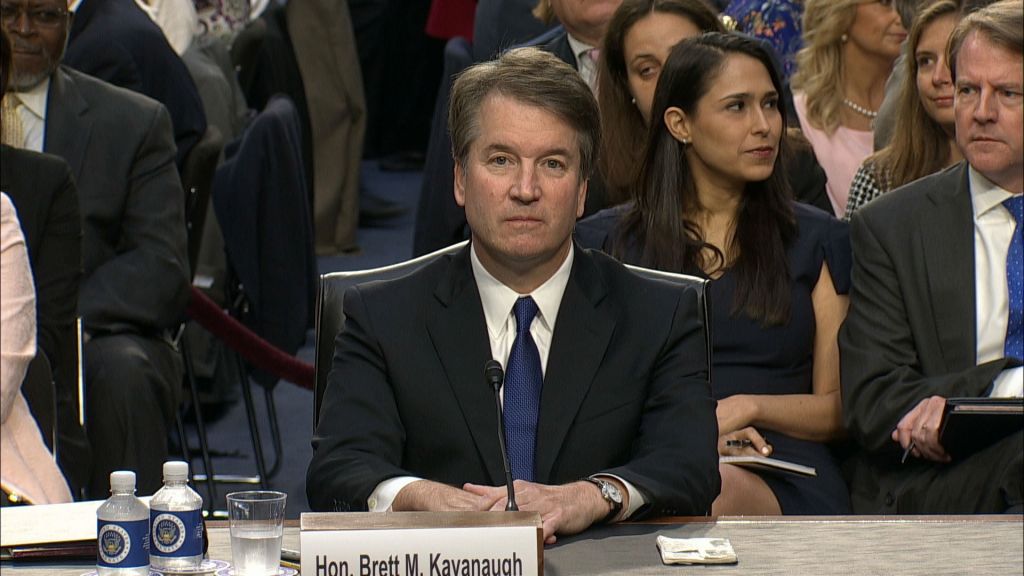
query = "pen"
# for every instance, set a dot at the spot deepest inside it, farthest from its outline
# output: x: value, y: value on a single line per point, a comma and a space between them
x: 906, y: 453
x: 290, y: 558
x: 739, y: 443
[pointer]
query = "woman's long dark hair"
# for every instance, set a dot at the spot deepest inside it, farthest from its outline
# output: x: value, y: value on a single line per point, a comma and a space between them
x: 622, y: 125
x: 662, y: 220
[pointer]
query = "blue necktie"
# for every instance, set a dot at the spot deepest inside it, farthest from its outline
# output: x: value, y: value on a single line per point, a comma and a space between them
x: 1014, y: 346
x: 523, y: 381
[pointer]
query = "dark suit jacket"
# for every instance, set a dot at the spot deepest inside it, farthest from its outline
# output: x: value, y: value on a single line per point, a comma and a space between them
x: 500, y: 24
x: 44, y: 194
x: 625, y: 390
x: 910, y: 330
x: 43, y: 191
x: 259, y: 196
x: 120, y: 147
x: 115, y: 41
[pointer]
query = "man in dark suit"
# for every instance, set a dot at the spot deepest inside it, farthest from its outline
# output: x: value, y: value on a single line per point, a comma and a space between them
x: 607, y: 404
x: 936, y: 303
x: 121, y: 150
x: 115, y: 41
x: 501, y: 24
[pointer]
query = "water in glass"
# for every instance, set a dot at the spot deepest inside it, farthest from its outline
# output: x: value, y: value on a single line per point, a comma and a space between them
x: 256, y: 549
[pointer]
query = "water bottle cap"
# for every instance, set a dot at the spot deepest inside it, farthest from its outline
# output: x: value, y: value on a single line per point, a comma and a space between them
x: 175, y: 470
x: 122, y: 480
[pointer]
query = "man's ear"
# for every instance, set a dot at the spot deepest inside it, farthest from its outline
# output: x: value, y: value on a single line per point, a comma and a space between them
x: 460, y: 184
x: 678, y: 124
x: 581, y: 198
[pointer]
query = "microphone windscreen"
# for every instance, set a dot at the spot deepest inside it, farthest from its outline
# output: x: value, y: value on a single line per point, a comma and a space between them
x: 494, y: 374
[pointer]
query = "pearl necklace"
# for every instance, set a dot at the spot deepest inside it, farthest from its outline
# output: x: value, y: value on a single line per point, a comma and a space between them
x: 860, y: 109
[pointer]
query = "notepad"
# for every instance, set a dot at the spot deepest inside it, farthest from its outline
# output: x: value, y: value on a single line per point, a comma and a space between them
x: 770, y: 464
x: 972, y: 424
x: 49, y: 523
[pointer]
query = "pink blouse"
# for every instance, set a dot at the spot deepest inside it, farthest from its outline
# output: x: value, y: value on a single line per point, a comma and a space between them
x: 840, y: 154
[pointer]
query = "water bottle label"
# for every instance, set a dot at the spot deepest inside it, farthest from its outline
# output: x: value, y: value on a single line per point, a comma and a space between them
x: 122, y: 544
x: 177, y: 534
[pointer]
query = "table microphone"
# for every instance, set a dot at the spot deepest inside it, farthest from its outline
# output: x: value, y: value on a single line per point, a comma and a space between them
x: 495, y: 377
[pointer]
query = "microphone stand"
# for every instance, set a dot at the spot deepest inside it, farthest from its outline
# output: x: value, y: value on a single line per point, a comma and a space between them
x: 496, y: 377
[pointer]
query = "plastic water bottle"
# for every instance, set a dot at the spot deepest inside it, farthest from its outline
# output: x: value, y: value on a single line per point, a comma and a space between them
x: 176, y: 519
x: 122, y: 530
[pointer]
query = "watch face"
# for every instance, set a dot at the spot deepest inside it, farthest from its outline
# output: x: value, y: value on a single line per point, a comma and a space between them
x: 611, y: 492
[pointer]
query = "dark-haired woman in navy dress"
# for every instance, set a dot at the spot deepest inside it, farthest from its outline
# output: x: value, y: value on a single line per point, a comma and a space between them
x: 712, y: 201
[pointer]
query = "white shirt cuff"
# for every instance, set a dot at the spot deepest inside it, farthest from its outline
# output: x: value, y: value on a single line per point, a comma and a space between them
x: 384, y: 494
x: 1009, y: 384
x: 636, y: 499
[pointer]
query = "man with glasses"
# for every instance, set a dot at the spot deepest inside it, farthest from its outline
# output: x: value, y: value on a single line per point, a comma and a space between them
x: 121, y: 150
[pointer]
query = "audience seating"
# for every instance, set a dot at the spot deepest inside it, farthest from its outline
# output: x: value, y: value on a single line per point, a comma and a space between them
x: 260, y: 201
x: 439, y: 221
x: 197, y: 181
x: 245, y: 49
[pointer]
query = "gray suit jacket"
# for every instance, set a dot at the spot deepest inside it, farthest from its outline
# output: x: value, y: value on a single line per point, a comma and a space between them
x: 910, y: 331
x: 120, y: 147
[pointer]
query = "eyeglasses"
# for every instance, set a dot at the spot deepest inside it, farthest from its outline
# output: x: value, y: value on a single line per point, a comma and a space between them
x: 39, y: 17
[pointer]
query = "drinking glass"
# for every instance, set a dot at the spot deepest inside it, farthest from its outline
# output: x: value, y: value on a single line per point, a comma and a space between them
x: 257, y: 528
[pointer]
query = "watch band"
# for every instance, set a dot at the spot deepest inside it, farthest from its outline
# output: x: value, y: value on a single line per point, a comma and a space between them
x: 611, y: 494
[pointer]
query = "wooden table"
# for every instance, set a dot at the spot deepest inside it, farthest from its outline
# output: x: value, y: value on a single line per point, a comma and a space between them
x: 846, y: 546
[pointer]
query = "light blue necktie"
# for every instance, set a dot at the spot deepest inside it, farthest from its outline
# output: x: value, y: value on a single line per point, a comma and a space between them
x: 523, y: 381
x: 1014, y: 346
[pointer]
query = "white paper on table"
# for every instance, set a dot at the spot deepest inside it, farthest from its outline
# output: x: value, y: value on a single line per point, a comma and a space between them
x: 696, y: 550
x: 49, y: 523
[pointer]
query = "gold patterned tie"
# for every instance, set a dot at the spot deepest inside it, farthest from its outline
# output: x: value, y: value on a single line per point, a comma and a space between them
x: 12, y: 132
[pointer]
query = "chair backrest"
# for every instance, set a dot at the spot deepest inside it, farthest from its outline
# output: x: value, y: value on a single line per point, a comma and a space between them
x: 264, y: 218
x: 40, y: 394
x: 247, y: 44
x: 197, y: 180
x: 700, y: 285
x: 330, y: 316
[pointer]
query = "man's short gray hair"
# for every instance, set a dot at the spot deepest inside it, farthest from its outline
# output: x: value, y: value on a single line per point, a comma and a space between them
x: 532, y: 77
x: 1001, y: 23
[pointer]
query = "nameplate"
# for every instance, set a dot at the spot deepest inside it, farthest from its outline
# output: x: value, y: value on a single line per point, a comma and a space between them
x: 421, y: 544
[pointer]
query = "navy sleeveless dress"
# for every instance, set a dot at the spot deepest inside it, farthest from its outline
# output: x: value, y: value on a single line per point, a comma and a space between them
x: 751, y: 359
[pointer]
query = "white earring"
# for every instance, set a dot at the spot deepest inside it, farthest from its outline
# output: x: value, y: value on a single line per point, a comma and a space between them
x: 844, y: 38
x: 685, y: 141
x: 633, y: 100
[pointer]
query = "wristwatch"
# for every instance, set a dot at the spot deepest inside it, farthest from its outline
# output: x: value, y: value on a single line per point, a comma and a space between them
x: 611, y: 494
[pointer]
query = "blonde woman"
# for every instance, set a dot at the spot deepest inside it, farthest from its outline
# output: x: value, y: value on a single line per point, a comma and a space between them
x: 849, y: 50
x: 923, y: 136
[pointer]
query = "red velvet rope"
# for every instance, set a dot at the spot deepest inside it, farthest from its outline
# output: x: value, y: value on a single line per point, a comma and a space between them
x: 238, y: 337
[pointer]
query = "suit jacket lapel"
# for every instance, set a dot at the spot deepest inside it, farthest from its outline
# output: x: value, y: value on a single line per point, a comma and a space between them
x: 68, y: 126
x: 948, y: 244
x: 459, y: 334
x: 582, y: 333
x: 560, y: 47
